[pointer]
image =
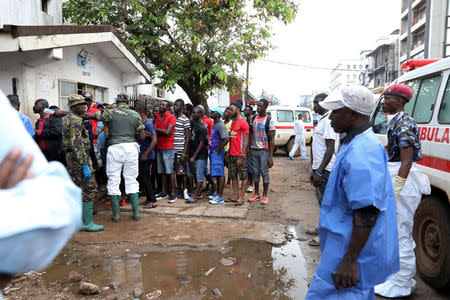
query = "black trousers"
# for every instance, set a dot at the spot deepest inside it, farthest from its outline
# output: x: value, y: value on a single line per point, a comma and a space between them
x: 145, y: 180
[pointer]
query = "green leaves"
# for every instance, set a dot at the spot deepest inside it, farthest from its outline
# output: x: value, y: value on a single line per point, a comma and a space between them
x: 198, y: 44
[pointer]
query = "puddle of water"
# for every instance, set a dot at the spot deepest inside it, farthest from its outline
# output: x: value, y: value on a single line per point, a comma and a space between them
x: 260, y: 272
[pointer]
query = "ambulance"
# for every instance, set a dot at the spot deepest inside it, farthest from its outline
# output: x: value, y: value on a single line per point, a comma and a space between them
x: 284, y: 118
x: 430, y: 108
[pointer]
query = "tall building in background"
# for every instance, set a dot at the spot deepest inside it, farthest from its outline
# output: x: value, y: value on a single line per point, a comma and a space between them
x: 424, y: 29
x: 347, y: 72
x: 383, y: 65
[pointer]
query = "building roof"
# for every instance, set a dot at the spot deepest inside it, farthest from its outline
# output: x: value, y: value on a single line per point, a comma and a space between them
x: 28, y: 38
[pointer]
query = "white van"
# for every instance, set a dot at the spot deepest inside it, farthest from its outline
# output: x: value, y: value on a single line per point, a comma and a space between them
x: 283, y: 117
x: 430, y: 108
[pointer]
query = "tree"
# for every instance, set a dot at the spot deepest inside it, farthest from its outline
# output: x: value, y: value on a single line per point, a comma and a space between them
x: 197, y: 44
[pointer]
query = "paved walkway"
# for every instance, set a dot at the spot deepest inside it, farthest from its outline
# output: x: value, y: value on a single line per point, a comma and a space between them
x: 200, y: 209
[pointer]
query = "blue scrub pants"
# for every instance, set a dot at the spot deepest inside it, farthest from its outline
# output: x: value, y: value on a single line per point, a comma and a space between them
x: 323, y: 290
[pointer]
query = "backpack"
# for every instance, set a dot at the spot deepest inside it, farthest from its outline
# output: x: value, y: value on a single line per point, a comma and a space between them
x: 268, y: 119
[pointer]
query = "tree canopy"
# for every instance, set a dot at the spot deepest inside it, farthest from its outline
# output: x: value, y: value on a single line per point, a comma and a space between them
x: 197, y: 44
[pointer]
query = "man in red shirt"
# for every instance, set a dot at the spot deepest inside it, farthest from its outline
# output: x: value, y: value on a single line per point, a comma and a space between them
x: 236, y: 154
x: 91, y: 110
x: 207, y: 121
x: 165, y: 129
x: 48, y: 131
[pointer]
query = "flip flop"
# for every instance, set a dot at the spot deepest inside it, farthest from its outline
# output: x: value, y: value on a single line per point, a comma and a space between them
x: 230, y: 200
x: 238, y: 203
x: 264, y: 200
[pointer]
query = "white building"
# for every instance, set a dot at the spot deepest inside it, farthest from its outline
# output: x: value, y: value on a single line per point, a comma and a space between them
x: 347, y: 72
x: 54, y: 61
x: 424, y: 29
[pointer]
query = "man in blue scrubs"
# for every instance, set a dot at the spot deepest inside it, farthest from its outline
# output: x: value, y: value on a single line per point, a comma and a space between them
x: 40, y: 207
x: 357, y: 226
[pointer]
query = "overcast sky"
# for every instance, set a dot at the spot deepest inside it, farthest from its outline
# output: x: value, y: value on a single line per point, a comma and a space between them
x: 324, y: 32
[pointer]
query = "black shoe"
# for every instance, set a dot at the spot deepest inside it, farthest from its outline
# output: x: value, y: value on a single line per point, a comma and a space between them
x: 172, y: 198
x: 161, y: 196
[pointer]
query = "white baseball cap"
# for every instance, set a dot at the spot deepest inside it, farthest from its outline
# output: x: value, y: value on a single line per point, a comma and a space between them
x: 355, y: 97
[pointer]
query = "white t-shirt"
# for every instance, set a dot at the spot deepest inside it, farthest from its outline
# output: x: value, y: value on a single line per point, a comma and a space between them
x: 323, y: 132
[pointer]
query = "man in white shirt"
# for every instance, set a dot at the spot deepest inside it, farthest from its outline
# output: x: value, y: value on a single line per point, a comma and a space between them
x: 323, y: 149
x: 299, y: 130
x: 323, y: 154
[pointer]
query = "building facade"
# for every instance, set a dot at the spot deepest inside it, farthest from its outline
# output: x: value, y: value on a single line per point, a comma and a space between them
x: 347, y: 72
x: 424, y: 29
x: 40, y: 58
x: 383, y: 64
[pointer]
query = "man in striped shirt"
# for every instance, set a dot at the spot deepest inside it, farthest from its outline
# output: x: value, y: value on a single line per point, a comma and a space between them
x: 181, y: 146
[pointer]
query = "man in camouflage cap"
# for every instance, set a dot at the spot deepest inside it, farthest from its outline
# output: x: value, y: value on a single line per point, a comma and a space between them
x: 76, y: 145
x: 125, y: 127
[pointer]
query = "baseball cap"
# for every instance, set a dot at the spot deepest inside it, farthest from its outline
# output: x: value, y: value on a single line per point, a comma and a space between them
x: 399, y: 89
x: 217, y: 110
x: 87, y: 96
x: 355, y: 97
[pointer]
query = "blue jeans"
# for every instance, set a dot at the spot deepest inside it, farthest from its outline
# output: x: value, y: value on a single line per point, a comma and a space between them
x: 320, y: 191
x: 260, y: 162
x: 165, y: 161
x: 201, y: 169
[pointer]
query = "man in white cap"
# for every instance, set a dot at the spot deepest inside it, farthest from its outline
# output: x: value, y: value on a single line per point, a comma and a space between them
x: 357, y: 226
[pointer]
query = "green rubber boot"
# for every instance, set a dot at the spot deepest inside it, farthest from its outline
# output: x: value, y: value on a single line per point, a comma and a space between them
x: 135, y: 205
x: 115, y: 207
x: 88, y: 225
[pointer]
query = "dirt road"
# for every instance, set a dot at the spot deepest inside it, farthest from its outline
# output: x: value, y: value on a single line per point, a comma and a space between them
x: 196, y: 251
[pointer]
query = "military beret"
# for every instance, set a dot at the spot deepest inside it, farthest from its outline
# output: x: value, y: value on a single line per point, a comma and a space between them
x: 400, y: 90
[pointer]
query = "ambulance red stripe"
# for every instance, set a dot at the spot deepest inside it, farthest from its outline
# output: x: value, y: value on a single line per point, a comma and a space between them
x: 435, y: 163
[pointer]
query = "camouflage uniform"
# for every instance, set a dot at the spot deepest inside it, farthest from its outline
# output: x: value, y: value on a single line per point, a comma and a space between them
x: 403, y: 133
x: 75, y: 140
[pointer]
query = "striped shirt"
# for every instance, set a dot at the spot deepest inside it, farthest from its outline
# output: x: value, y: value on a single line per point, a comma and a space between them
x: 179, y: 140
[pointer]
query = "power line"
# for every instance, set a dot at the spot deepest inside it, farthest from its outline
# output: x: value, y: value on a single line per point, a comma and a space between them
x: 306, y: 66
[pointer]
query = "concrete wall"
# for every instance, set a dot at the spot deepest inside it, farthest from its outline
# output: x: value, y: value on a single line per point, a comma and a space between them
x: 29, y: 12
x: 437, y: 29
x: 39, y: 78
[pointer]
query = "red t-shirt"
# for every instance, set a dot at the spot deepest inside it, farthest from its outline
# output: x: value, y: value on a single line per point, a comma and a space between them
x: 165, y: 142
x: 41, y: 142
x: 209, y: 124
x: 94, y: 123
x: 238, y: 128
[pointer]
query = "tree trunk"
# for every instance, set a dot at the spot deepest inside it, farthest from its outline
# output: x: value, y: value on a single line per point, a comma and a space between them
x: 193, y: 93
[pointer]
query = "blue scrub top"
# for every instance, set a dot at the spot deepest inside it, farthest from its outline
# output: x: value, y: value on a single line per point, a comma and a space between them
x: 360, y: 178
x: 27, y: 123
x: 39, y: 215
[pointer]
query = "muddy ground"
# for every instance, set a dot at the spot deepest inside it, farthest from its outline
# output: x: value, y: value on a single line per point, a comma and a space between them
x: 196, y: 251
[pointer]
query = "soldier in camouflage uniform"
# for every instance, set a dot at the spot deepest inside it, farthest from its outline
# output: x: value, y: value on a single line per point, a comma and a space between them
x: 404, y: 149
x: 124, y: 127
x: 76, y: 145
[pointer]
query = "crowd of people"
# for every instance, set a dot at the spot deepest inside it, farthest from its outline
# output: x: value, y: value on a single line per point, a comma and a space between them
x: 367, y: 195
x: 164, y: 152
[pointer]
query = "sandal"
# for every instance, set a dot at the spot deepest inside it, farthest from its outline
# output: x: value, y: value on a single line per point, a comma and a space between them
x: 254, y: 198
x: 238, y: 203
x: 230, y: 200
x: 314, y: 242
x: 264, y: 200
